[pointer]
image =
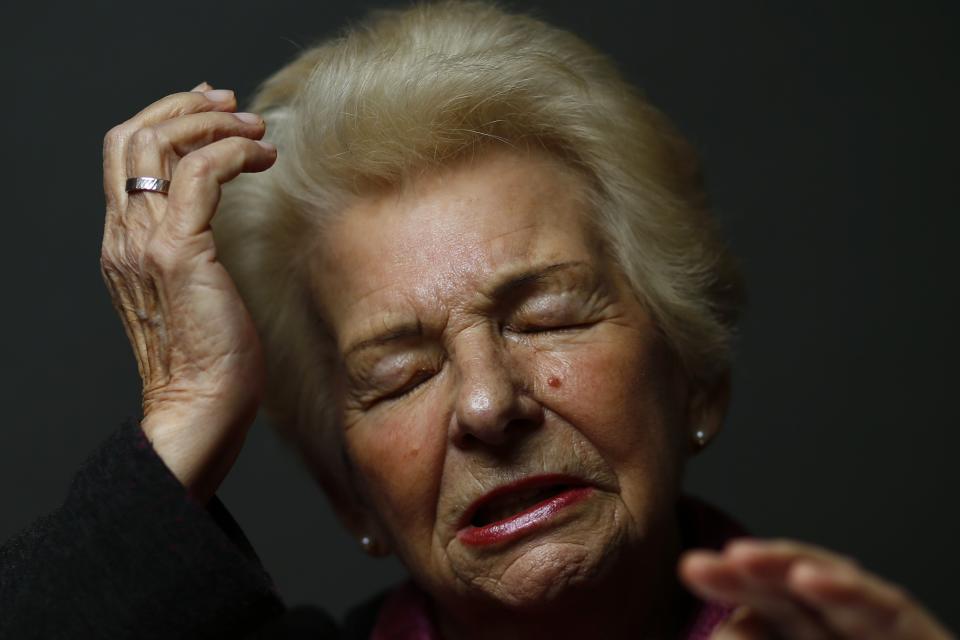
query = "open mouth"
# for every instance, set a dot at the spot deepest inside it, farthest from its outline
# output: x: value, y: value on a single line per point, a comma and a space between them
x: 514, y: 510
x: 506, y: 506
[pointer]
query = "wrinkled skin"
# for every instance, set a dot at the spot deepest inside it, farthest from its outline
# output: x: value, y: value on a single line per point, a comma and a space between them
x: 197, y: 351
x: 563, y: 372
x: 442, y: 414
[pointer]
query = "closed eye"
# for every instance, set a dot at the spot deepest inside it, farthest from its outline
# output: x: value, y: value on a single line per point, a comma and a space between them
x: 416, y: 381
x: 561, y: 328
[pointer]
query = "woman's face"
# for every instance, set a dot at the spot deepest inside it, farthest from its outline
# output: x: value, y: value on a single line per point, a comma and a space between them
x: 515, y: 423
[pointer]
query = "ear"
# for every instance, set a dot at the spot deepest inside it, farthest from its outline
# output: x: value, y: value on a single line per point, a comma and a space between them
x: 707, y: 406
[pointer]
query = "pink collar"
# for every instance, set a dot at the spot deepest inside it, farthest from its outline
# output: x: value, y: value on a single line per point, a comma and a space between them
x: 405, y: 614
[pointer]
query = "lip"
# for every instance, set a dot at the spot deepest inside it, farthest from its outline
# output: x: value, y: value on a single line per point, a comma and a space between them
x: 526, y: 521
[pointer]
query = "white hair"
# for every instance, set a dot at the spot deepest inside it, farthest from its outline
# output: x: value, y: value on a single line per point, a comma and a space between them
x: 410, y: 90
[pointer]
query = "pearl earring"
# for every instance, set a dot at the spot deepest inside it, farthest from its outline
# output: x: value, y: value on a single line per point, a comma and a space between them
x: 367, y: 543
x: 700, y: 437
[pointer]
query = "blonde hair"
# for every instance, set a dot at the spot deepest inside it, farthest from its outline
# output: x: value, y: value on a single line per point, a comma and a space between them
x: 408, y: 90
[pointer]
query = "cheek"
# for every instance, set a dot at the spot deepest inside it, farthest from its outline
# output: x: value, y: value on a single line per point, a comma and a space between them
x: 619, y: 396
x: 399, y: 459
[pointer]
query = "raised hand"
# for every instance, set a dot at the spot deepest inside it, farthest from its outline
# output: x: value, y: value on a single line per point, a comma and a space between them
x: 786, y: 589
x: 196, y: 348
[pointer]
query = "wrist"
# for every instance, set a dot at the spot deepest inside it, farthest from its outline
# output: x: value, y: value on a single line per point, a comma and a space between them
x: 197, y: 445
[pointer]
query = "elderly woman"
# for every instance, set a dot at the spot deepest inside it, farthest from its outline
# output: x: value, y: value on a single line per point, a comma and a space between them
x: 479, y: 289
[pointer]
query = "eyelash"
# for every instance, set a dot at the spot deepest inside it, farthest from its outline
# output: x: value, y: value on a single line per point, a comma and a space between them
x: 552, y: 329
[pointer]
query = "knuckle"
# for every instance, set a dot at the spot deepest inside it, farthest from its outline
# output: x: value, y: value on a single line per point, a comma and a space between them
x: 185, y: 103
x: 196, y: 164
x: 230, y: 146
x: 189, y: 102
x: 181, y: 106
x: 114, y: 137
x: 238, y: 144
x: 144, y: 139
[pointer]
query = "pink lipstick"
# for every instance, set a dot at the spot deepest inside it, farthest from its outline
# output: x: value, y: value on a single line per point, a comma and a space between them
x: 501, y: 515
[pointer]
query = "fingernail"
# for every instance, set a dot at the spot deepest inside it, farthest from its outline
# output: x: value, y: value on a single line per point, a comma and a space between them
x: 200, y: 87
x: 219, y: 95
x: 252, y: 118
x: 266, y: 145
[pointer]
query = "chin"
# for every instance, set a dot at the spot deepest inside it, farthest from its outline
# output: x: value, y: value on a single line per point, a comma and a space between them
x: 575, y: 553
x: 545, y: 574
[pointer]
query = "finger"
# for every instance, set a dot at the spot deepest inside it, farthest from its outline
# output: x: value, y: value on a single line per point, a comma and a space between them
x: 744, y: 624
x: 775, y: 556
x: 114, y: 152
x: 115, y: 141
x: 770, y: 562
x: 195, y: 187
x: 716, y: 577
x: 155, y: 150
x: 188, y: 133
x: 859, y: 604
x: 705, y: 574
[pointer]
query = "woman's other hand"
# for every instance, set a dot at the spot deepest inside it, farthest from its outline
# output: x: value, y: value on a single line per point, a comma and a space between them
x: 196, y: 348
x: 786, y: 589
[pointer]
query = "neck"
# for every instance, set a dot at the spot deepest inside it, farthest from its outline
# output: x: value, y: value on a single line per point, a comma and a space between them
x: 639, y: 599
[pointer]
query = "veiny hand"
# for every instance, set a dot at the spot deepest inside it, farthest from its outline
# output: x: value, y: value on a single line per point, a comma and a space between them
x: 196, y: 348
x: 786, y: 589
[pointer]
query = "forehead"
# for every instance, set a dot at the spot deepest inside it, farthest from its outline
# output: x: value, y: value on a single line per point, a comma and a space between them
x: 442, y: 239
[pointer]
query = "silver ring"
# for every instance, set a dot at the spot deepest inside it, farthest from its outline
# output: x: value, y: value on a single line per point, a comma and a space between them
x: 145, y: 183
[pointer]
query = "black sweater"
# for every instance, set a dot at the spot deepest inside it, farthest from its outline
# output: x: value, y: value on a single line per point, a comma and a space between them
x: 130, y: 555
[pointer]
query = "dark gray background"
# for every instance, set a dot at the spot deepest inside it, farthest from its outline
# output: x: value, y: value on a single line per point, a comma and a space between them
x: 829, y: 136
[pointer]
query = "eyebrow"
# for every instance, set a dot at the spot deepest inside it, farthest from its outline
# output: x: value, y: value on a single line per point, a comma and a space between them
x: 510, y: 285
x: 516, y: 282
x: 401, y: 331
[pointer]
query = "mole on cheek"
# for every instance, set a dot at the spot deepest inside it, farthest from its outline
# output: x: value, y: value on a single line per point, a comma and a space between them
x: 553, y: 381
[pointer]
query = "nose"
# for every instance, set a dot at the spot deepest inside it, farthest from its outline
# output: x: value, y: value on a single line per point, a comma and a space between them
x: 493, y: 405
